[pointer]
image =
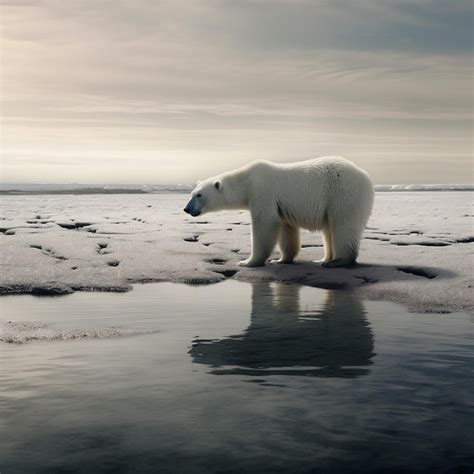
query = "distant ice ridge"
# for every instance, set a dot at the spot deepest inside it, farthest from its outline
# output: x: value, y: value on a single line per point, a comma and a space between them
x: 424, y: 187
x: 74, y: 188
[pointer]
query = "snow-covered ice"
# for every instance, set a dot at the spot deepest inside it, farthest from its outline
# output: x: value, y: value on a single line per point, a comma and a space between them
x: 417, y: 248
x: 19, y: 332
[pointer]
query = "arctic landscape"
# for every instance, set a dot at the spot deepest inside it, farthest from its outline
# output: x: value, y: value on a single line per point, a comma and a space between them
x: 138, y: 339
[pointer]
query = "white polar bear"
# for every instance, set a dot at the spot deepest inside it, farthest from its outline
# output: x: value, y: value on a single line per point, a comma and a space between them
x: 330, y: 194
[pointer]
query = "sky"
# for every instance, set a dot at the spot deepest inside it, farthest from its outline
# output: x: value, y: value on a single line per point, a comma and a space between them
x: 151, y: 91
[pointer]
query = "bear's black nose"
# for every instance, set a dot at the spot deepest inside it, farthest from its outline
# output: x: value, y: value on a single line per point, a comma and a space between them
x: 186, y: 210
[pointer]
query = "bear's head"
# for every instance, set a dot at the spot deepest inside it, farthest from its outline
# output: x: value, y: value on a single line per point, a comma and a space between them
x: 206, y: 197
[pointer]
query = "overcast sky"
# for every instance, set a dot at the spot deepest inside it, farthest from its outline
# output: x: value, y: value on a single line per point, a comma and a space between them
x: 149, y: 91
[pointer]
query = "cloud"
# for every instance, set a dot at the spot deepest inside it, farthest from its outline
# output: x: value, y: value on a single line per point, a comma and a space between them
x: 237, y: 79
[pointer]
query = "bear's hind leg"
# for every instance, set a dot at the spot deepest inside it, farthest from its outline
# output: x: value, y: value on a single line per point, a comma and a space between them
x: 327, y: 243
x: 289, y: 243
x: 345, y: 245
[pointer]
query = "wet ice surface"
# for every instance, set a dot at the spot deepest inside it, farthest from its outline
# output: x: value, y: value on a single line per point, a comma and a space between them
x: 417, y: 248
x: 263, y: 377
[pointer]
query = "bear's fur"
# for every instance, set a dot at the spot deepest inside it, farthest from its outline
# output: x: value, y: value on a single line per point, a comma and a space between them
x: 329, y: 194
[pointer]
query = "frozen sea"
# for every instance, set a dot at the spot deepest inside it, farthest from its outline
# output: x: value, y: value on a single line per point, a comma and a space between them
x: 236, y: 377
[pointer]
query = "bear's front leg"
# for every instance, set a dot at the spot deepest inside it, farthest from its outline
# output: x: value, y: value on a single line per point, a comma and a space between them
x: 265, y: 230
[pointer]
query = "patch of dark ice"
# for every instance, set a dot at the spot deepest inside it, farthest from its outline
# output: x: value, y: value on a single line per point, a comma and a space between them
x: 216, y: 261
x: 192, y: 238
x: 226, y: 273
x: 417, y: 271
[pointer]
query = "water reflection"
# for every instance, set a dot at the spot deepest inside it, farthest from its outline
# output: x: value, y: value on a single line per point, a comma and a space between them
x: 329, y: 339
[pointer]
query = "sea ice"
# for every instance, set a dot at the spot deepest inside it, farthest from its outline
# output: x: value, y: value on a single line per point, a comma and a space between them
x: 53, y: 244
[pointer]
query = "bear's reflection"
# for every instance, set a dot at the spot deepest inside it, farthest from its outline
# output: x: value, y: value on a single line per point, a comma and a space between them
x: 332, y: 340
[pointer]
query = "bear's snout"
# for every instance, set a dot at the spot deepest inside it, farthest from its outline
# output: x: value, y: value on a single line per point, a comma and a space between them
x: 193, y: 208
x: 190, y: 212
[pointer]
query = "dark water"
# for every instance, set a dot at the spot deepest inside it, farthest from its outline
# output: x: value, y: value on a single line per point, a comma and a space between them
x: 241, y: 378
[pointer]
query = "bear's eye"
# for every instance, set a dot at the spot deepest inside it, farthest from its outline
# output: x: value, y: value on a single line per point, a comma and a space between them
x: 199, y: 195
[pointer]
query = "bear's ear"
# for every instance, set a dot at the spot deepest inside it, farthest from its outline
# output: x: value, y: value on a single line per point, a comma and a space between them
x: 218, y: 184
x: 198, y: 183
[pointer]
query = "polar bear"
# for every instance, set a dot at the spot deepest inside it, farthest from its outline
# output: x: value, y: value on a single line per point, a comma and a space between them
x: 328, y: 194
